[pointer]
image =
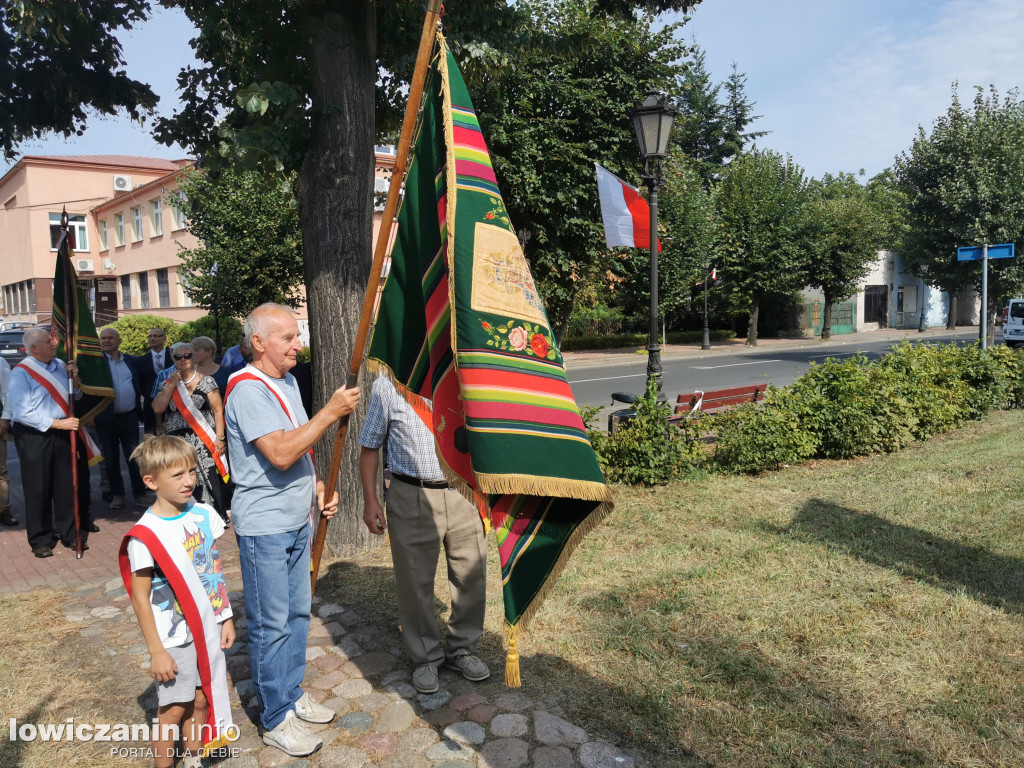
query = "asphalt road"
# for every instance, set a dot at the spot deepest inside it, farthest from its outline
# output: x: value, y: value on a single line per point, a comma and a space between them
x: 593, y: 380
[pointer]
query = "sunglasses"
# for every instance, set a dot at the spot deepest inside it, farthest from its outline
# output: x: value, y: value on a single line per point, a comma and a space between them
x: 183, y: 356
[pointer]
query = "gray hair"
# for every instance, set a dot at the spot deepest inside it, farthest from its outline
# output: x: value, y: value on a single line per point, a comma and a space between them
x: 33, y: 336
x: 258, y: 321
x: 204, y: 342
x: 110, y: 328
x: 179, y: 344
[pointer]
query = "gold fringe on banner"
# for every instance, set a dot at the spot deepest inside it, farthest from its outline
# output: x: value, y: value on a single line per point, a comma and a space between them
x: 512, y: 679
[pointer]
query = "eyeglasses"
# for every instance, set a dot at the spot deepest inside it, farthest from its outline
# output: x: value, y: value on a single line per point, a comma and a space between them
x: 183, y: 356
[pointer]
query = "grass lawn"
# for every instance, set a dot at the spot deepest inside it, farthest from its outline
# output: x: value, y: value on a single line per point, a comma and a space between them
x: 856, y: 613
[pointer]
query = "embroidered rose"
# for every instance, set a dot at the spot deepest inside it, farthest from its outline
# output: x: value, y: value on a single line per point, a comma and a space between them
x: 539, y: 345
x: 489, y: 215
x: 486, y: 325
x: 517, y: 338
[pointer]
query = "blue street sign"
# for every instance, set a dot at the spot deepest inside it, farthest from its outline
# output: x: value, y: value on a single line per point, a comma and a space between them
x: 974, y: 253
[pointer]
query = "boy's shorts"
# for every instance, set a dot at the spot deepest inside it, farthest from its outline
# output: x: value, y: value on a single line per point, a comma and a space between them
x: 182, y: 689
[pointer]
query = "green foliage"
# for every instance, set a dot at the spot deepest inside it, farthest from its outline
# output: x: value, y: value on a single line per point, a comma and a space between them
x: 230, y: 330
x: 135, y: 328
x: 248, y: 223
x: 755, y: 438
x: 616, y: 340
x: 62, y: 61
x: 647, y: 450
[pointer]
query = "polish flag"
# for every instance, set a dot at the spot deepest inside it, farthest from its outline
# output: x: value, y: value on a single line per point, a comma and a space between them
x: 626, y: 215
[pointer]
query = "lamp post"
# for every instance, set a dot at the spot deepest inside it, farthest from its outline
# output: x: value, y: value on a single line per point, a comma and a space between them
x: 652, y: 121
x: 705, y: 343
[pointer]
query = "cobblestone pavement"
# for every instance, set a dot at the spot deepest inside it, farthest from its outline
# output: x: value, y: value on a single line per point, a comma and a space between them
x: 359, y: 671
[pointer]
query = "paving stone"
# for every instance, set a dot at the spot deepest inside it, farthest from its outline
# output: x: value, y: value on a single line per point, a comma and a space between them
x: 467, y: 701
x: 329, y: 609
x: 598, y: 754
x: 378, y: 744
x: 431, y: 701
x: 504, y: 753
x: 507, y: 726
x: 272, y: 756
x: 395, y: 717
x: 343, y: 757
x: 450, y: 750
x: 331, y: 680
x: 417, y: 739
x: 319, y: 695
x: 350, y: 647
x: 327, y: 662
x: 513, y: 702
x: 241, y: 761
x: 339, y: 704
x: 105, y: 612
x: 77, y: 616
x: 318, y: 630
x: 441, y: 717
x: 353, y: 688
x: 481, y: 713
x: 313, y: 651
x: 138, y: 648
x: 354, y: 722
x: 311, y: 674
x: 369, y: 665
x: 552, y: 757
x: 371, y: 702
x: 247, y: 744
x: 402, y: 690
x: 465, y: 733
x: 121, y: 600
x: 335, y: 629
x: 554, y: 730
x: 453, y: 764
x: 407, y: 760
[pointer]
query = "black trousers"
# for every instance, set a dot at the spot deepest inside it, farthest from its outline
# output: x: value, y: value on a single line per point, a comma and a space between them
x: 120, y: 435
x: 45, y: 459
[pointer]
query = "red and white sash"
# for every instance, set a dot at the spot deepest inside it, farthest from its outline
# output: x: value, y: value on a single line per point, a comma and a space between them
x: 58, y: 391
x: 202, y: 623
x: 252, y: 373
x: 195, y: 419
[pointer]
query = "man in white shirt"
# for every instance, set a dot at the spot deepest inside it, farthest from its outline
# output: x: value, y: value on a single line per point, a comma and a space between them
x: 5, y: 425
x: 148, y: 365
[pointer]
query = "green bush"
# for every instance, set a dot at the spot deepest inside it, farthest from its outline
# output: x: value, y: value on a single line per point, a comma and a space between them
x: 304, y: 355
x: 230, y: 330
x: 756, y: 438
x: 135, y: 328
x: 616, y: 340
x: 1011, y: 367
x: 593, y: 321
x: 647, y: 450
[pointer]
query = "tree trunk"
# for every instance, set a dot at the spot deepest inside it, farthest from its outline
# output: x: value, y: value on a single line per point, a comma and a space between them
x: 755, y: 310
x: 826, y: 318
x: 951, y: 317
x: 335, y: 194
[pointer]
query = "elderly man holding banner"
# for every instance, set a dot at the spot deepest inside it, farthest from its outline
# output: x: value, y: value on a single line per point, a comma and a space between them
x: 277, y: 493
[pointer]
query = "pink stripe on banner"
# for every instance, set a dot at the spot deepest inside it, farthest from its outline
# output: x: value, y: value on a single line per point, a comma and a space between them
x: 518, y: 412
x: 475, y: 170
x: 465, y: 137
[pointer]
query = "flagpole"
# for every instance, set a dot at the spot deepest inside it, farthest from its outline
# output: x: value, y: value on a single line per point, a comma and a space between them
x: 64, y: 256
x: 381, y: 249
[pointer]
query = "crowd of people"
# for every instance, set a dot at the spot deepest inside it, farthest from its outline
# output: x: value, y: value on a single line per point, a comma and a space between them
x: 231, y: 444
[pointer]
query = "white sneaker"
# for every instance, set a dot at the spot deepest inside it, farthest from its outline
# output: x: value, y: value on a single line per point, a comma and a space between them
x: 292, y: 738
x: 307, y: 708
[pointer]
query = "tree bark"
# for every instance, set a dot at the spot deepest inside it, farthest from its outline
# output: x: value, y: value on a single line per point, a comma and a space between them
x: 335, y: 193
x: 755, y: 310
x: 826, y: 318
x: 951, y: 317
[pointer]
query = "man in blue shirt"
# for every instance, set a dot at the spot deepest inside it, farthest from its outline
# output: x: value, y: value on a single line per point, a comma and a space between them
x: 42, y: 436
x: 118, y: 424
x: 276, y: 494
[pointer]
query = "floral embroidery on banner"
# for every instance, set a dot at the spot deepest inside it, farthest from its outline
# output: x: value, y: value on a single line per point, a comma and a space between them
x: 526, y: 338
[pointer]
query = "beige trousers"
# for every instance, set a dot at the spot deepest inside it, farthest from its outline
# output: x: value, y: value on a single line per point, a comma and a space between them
x: 420, y: 521
x: 5, y: 483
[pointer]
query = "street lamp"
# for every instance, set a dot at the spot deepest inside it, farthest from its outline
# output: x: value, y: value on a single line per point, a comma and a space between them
x: 652, y: 121
x: 705, y: 343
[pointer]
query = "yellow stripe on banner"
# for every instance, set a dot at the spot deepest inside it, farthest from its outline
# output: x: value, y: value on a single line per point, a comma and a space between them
x: 521, y: 396
x: 537, y: 433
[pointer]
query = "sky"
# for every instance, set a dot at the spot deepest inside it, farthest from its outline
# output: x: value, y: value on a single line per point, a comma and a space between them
x: 842, y: 85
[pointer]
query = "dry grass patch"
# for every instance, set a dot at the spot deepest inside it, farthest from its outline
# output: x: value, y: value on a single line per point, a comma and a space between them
x: 865, y: 612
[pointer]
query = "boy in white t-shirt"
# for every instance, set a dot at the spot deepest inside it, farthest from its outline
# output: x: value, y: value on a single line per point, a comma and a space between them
x: 172, y: 569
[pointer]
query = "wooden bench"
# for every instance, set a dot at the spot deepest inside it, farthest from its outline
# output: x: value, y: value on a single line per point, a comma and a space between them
x: 709, y: 402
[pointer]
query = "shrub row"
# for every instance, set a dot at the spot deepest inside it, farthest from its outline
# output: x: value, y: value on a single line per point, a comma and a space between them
x: 135, y: 328
x: 837, y: 410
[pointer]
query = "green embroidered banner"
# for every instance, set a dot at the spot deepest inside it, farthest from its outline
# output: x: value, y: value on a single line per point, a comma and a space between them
x: 460, y: 323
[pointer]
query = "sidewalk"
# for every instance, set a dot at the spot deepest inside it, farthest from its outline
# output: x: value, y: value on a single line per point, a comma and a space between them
x: 838, y: 343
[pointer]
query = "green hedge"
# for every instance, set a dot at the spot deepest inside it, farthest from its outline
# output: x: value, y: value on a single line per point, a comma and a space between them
x: 838, y: 409
x: 617, y: 340
x: 230, y: 330
x: 135, y: 328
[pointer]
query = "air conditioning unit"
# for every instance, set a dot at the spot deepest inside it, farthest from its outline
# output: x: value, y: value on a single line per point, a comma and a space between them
x: 109, y: 264
x: 83, y: 265
x: 122, y: 183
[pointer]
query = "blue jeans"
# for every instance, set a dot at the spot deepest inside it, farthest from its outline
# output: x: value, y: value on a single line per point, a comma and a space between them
x: 275, y: 575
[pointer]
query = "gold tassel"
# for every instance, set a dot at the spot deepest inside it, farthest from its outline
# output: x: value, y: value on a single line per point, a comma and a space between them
x: 512, y: 661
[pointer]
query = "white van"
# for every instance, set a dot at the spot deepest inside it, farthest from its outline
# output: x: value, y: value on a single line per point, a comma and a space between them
x: 1013, y: 323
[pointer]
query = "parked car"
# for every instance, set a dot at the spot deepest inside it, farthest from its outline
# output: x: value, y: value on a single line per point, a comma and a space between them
x: 11, y: 325
x: 1013, y: 323
x: 12, y: 348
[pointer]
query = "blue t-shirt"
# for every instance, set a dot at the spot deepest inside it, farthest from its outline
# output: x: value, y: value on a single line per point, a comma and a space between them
x: 267, y: 500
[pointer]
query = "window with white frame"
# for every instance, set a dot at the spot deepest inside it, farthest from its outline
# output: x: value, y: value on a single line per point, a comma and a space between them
x: 180, y: 221
x: 156, y: 212
x: 183, y: 283
x: 77, y: 231
x: 126, y: 291
x: 104, y: 235
x: 144, y: 290
x: 119, y: 227
x: 163, y: 288
x: 136, y: 224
